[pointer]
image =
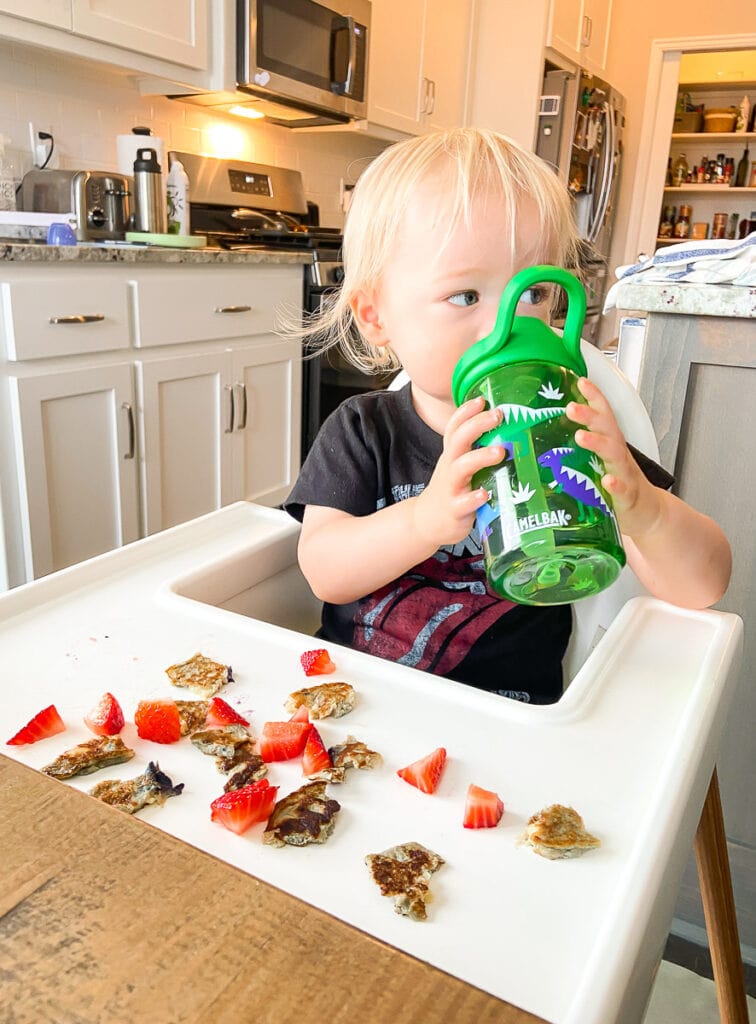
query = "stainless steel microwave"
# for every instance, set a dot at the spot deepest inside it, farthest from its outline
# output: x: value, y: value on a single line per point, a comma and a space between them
x: 312, y: 56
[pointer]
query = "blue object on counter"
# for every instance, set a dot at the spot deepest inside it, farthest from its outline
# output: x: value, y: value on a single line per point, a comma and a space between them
x: 60, y: 234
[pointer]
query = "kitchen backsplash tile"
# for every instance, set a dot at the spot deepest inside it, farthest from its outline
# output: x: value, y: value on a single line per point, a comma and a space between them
x: 87, y: 105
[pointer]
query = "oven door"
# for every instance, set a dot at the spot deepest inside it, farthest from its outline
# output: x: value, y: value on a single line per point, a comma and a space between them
x: 305, y: 52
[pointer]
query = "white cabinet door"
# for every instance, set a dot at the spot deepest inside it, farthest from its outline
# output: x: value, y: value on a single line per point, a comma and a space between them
x: 50, y: 12
x: 396, y: 59
x: 174, y: 31
x: 564, y: 34
x: 267, y: 382
x: 594, y: 29
x: 75, y: 448
x: 186, y: 425
x: 446, y: 45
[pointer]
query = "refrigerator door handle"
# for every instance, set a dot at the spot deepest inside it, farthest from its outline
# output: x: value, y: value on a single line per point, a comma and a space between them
x: 606, y: 178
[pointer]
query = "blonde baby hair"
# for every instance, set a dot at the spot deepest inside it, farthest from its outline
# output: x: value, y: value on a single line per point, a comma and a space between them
x: 477, y: 161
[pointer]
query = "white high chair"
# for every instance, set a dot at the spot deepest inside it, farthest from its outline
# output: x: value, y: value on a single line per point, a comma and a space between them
x: 284, y: 599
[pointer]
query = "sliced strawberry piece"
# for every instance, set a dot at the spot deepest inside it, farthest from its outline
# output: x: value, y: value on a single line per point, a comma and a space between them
x: 158, y: 720
x: 426, y: 772
x: 315, y: 758
x: 302, y: 714
x: 220, y: 713
x: 241, y: 808
x: 280, y: 741
x: 45, y: 723
x: 106, y: 717
x: 483, y: 808
x: 317, y: 663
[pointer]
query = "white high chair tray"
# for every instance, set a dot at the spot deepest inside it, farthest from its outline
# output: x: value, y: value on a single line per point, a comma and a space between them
x: 631, y: 746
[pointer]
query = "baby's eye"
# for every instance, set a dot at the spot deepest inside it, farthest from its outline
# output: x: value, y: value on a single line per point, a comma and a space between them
x: 464, y: 298
x: 535, y: 296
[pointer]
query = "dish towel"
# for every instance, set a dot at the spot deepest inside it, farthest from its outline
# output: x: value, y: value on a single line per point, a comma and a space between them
x: 716, y: 261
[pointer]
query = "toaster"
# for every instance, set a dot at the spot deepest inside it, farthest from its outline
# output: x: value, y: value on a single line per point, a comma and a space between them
x: 99, y: 200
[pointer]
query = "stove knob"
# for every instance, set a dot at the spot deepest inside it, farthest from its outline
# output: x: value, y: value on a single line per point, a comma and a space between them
x: 96, y: 217
x: 336, y: 275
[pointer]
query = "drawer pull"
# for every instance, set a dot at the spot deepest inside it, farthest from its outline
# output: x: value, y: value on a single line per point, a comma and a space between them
x: 78, y: 318
x: 130, y: 421
x: 230, y: 428
x: 243, y: 414
x: 232, y: 309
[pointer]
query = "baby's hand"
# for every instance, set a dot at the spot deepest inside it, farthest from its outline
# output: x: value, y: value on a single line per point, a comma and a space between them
x: 446, y: 508
x: 636, y: 500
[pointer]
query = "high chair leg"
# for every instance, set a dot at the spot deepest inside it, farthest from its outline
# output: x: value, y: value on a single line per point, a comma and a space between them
x: 719, y: 909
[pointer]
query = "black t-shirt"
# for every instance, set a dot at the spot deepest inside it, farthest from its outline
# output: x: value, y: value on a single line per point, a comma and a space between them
x: 373, y: 451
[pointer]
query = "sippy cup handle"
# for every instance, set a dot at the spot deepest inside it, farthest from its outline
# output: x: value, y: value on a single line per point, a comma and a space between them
x: 520, y: 283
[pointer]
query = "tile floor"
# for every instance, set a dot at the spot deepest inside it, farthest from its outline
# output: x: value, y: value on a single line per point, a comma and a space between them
x: 681, y: 997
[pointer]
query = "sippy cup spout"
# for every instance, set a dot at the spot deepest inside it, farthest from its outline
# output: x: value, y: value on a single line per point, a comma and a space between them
x: 525, y: 339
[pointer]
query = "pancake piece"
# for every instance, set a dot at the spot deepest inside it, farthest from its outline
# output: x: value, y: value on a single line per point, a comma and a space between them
x: 558, y: 832
x: 152, y: 787
x: 404, y: 872
x: 89, y: 757
x: 200, y: 674
x: 305, y: 816
x: 327, y: 699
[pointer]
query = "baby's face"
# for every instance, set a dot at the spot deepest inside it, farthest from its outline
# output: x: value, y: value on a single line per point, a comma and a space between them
x: 441, y: 289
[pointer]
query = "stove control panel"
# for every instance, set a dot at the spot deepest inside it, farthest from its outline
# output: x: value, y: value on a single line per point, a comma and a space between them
x: 248, y: 183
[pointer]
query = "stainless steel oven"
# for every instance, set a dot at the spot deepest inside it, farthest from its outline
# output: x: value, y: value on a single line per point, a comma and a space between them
x: 312, y: 55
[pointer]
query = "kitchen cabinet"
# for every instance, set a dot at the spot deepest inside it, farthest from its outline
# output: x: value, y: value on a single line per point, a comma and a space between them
x: 168, y: 40
x: 579, y: 30
x: 56, y: 13
x: 160, y: 393
x: 217, y: 427
x: 419, y: 54
x: 74, y: 439
x: 705, y: 199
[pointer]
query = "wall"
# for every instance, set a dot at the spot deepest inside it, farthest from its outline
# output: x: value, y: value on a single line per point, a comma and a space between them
x: 86, y: 106
x: 635, y: 25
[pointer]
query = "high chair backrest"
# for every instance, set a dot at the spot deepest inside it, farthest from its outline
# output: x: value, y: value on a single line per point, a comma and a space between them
x: 592, y: 615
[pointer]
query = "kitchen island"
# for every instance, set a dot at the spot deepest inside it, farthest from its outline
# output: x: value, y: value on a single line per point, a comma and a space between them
x: 106, y: 253
x: 692, y: 349
x: 104, y: 915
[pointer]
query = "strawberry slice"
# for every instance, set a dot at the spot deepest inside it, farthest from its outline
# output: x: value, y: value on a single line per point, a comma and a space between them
x: 241, y: 808
x: 280, y: 741
x: 315, y: 758
x: 220, y: 713
x: 45, y: 723
x: 106, y: 717
x: 158, y: 720
x: 317, y: 663
x: 483, y: 808
x: 302, y: 714
x: 426, y: 772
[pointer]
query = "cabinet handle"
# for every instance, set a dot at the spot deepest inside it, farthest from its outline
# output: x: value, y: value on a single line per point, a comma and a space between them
x: 243, y: 415
x: 431, y: 96
x: 424, y: 107
x: 230, y: 428
x: 126, y: 406
x: 78, y: 318
x: 587, y: 30
x: 232, y: 309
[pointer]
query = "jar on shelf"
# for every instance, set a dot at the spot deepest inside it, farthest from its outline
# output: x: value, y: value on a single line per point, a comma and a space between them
x: 719, y: 225
x: 680, y: 170
x: 667, y: 222
x: 752, y: 182
x: 682, y: 224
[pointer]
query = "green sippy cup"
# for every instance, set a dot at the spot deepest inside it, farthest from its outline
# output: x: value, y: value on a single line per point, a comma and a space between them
x: 548, y: 529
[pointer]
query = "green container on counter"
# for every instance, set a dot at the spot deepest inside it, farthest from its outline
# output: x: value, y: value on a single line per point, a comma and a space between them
x: 548, y: 529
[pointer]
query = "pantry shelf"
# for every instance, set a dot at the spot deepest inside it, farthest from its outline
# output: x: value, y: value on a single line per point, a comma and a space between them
x: 714, y: 136
x: 709, y: 189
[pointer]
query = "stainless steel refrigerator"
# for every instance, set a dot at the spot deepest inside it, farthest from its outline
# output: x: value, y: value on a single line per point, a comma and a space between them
x: 580, y: 126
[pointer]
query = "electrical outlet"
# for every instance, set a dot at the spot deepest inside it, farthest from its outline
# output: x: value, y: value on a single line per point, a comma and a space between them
x: 345, y: 195
x: 39, y: 148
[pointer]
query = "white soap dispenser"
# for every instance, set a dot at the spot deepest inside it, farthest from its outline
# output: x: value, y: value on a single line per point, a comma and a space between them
x: 177, y: 193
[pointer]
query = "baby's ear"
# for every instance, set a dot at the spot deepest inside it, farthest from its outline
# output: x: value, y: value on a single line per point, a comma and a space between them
x: 365, y: 311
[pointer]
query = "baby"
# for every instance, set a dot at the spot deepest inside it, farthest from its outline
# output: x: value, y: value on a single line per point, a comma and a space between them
x: 437, y: 227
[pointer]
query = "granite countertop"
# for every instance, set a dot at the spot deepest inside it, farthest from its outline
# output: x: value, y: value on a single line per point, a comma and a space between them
x: 30, y: 253
x: 691, y: 299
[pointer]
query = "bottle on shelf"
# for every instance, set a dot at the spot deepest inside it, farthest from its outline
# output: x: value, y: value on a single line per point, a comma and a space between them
x: 742, y: 171
x: 669, y: 171
x: 752, y: 182
x: 682, y: 224
x: 680, y: 170
x: 667, y: 222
